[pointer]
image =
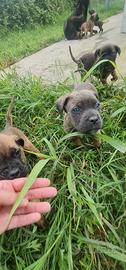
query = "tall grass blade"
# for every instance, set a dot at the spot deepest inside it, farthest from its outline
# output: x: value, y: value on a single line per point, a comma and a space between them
x: 69, y: 136
x: 91, y: 205
x: 119, y: 111
x: 116, y: 143
x: 31, y: 178
x: 106, y: 248
x: 69, y: 257
x: 51, y: 148
x: 39, y: 264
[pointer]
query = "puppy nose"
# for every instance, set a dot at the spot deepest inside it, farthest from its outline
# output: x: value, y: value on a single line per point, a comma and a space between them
x: 14, y: 173
x: 93, y: 119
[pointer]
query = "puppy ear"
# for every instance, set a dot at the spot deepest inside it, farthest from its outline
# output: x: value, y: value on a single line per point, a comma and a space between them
x: 62, y: 102
x: 118, y: 49
x: 97, y: 53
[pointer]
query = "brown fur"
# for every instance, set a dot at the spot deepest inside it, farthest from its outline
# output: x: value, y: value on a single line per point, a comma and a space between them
x: 88, y: 27
x: 12, y: 141
x: 9, y: 165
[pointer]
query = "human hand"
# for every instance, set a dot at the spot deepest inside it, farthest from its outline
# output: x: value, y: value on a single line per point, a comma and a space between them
x: 28, y: 212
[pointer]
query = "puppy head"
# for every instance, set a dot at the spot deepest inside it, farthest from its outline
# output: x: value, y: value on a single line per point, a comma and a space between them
x: 92, y: 11
x: 108, y: 52
x: 12, y: 158
x: 82, y: 108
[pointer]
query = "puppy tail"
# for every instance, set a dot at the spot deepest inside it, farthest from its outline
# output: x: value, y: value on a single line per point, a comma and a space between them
x: 9, y: 121
x: 73, y: 58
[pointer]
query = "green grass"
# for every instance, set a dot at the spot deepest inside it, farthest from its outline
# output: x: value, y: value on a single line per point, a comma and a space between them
x: 18, y: 44
x: 86, y: 227
x: 114, y: 7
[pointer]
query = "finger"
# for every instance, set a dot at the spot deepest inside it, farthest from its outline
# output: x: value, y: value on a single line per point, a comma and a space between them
x: 23, y: 220
x: 41, y: 193
x: 8, y: 198
x: 39, y: 207
x: 40, y: 182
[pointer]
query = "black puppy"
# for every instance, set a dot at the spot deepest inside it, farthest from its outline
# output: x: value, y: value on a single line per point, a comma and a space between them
x: 106, y: 52
x: 74, y: 22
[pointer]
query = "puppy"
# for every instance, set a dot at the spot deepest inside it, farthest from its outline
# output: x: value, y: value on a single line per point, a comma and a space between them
x: 12, y: 144
x: 97, y: 21
x: 73, y: 23
x: 81, y: 108
x: 88, y: 26
x: 106, y: 52
x: 72, y: 27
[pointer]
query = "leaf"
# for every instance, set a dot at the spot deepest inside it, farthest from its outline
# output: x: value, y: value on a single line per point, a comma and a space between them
x: 116, y: 143
x: 69, y: 136
x: 119, y: 111
x: 39, y: 264
x: 51, y: 148
x: 39, y: 154
x: 91, y: 205
x: 106, y: 248
x: 93, y: 68
x: 112, y: 230
x: 71, y: 182
x: 31, y: 179
x: 69, y: 257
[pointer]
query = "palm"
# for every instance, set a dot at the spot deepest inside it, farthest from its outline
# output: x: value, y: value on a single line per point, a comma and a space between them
x: 29, y: 211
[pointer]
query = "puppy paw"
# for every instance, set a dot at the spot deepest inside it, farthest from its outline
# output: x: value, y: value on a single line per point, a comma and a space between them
x: 41, y: 222
x: 114, y: 78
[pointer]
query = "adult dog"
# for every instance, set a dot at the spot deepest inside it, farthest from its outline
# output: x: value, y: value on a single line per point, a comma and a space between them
x: 73, y: 23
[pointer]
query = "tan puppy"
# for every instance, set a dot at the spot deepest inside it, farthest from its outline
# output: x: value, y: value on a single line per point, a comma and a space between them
x: 12, y: 144
x: 88, y: 26
x: 81, y: 108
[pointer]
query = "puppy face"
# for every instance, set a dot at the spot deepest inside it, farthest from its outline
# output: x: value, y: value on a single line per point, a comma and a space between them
x: 108, y: 52
x: 82, y: 109
x: 12, y: 158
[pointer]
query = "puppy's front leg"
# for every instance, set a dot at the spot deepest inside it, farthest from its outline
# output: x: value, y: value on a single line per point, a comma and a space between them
x: 77, y: 141
x: 97, y: 141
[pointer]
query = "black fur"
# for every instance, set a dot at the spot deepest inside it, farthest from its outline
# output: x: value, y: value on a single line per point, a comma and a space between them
x: 73, y: 23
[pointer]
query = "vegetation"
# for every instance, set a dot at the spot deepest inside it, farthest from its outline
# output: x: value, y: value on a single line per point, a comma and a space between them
x: 86, y: 227
x: 16, y: 14
x: 19, y: 43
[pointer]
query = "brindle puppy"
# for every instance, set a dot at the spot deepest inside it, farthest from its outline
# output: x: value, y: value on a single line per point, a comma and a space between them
x: 81, y: 108
x: 106, y: 52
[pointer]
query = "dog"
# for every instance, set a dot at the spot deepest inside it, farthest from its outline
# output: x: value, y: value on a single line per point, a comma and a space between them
x: 73, y: 23
x: 97, y: 21
x: 13, y: 142
x: 81, y: 108
x: 87, y: 60
x: 88, y: 26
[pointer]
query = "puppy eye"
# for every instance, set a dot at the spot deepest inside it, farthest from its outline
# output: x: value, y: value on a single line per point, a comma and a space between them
x: 97, y: 105
x: 76, y: 109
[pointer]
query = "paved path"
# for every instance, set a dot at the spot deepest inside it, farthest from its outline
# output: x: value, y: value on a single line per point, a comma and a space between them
x: 53, y: 64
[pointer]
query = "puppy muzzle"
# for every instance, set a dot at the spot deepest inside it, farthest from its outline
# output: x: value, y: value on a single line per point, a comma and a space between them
x: 13, y: 170
x: 90, y: 122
